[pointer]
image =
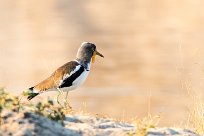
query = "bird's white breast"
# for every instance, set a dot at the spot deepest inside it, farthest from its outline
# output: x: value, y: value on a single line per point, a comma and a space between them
x: 80, y: 80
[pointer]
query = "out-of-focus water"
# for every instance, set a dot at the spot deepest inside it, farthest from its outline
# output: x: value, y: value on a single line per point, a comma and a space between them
x: 153, y: 52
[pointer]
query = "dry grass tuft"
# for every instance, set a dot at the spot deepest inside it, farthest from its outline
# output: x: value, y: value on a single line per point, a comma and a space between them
x: 196, y: 116
x: 196, y: 109
x: 143, y: 125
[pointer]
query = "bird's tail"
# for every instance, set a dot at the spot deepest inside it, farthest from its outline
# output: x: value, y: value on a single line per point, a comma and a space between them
x: 30, y: 93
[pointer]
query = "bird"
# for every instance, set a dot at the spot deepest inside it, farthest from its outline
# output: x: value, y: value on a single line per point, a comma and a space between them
x: 69, y: 76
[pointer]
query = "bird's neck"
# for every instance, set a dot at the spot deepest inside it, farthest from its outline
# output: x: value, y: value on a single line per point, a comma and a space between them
x: 85, y: 63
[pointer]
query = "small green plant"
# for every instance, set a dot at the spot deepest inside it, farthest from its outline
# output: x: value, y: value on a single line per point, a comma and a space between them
x: 8, y: 101
x: 47, y: 108
x: 50, y: 111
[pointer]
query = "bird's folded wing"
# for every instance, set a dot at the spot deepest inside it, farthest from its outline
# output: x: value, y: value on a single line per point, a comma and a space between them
x: 58, y: 77
x: 68, y: 80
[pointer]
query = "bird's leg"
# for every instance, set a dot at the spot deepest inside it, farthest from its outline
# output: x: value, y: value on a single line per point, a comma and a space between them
x: 66, y: 103
x: 59, y: 93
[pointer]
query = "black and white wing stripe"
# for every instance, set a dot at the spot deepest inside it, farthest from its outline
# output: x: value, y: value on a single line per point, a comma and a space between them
x: 68, y: 79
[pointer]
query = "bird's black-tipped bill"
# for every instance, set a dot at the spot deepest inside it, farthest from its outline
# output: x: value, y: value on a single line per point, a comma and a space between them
x: 94, y: 55
x: 99, y: 54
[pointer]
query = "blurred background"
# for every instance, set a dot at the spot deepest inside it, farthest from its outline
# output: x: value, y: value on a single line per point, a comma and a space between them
x: 154, y: 52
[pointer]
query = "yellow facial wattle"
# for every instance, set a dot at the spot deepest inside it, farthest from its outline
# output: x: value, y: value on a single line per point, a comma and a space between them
x: 94, y: 57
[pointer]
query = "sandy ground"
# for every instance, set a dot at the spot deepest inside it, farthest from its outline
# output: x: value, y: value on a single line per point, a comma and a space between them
x: 153, y: 52
x: 26, y: 123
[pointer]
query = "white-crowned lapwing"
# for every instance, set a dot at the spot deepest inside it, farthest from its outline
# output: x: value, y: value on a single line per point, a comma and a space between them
x: 69, y: 76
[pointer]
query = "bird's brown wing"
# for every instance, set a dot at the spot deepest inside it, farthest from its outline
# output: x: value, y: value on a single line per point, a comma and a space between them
x: 54, y: 80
